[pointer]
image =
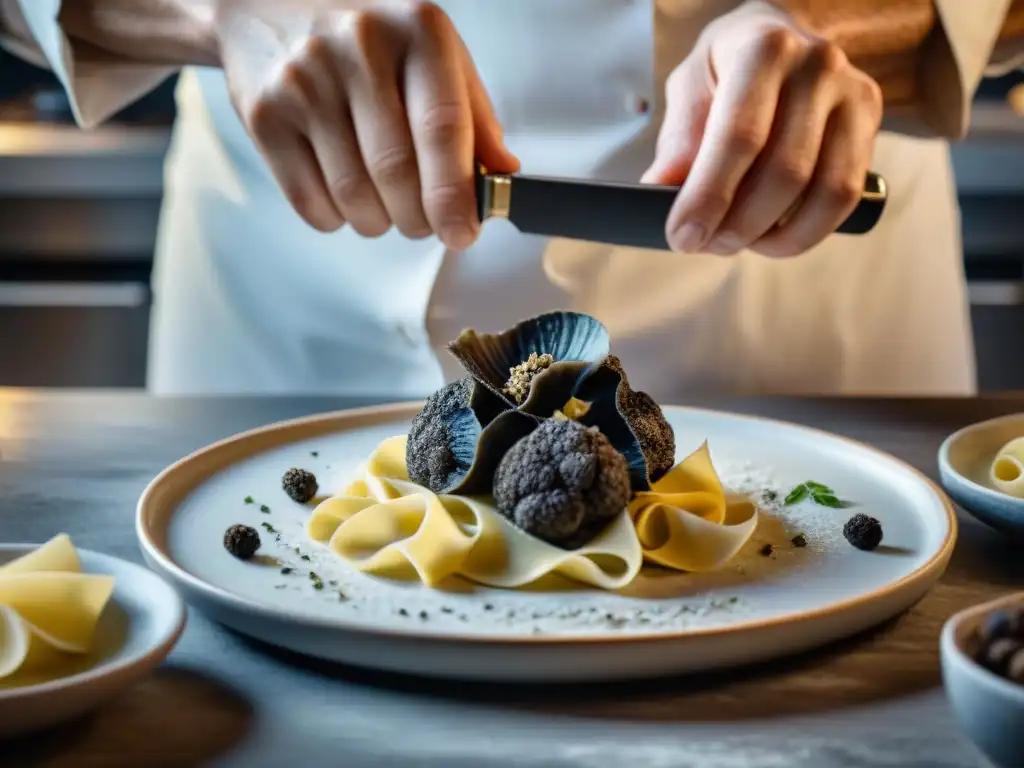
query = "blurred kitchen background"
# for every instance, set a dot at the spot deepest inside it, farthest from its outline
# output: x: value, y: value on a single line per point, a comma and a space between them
x: 78, y: 217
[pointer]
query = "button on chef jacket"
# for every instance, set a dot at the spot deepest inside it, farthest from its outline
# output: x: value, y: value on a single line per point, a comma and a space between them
x: 248, y: 298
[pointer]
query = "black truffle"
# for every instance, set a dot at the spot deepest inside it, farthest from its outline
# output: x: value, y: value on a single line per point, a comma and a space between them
x: 562, y: 483
x: 429, y: 458
x: 241, y: 541
x: 648, y: 422
x: 299, y: 484
x: 1015, y: 668
x: 1003, y: 624
x: 997, y: 655
x: 863, y: 532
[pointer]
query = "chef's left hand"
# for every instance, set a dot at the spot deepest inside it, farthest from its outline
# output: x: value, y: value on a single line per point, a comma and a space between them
x: 764, y: 122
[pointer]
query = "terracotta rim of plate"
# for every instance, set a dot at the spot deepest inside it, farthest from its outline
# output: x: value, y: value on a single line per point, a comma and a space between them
x: 289, y: 430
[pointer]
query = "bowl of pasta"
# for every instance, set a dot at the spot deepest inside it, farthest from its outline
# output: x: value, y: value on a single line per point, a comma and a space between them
x: 982, y: 468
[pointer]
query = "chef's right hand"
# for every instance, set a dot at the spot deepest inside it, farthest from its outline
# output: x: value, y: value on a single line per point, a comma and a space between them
x: 372, y: 116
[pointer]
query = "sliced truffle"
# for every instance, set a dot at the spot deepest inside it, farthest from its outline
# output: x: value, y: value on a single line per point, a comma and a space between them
x: 631, y: 419
x: 648, y: 422
x: 300, y: 484
x: 863, y: 532
x: 458, y: 437
x: 429, y: 455
x: 562, y: 483
x: 242, y: 541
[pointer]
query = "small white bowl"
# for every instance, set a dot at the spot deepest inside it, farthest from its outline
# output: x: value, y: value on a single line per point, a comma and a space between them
x: 138, y: 628
x: 988, y: 707
x: 965, y: 459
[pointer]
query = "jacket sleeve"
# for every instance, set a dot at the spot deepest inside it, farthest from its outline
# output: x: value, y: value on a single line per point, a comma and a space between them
x: 96, y: 90
x: 963, y: 53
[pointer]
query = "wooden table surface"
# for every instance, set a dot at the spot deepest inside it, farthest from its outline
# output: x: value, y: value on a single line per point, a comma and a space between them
x: 77, y: 462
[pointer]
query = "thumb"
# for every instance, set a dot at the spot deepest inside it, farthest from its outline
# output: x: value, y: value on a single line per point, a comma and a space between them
x: 489, y: 141
x: 688, y: 95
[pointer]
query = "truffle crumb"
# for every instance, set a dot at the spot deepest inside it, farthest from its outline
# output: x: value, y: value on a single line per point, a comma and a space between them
x: 520, y: 376
x: 863, y: 532
x: 299, y: 484
x: 767, y: 550
x: 799, y: 540
x: 241, y: 541
x: 562, y: 483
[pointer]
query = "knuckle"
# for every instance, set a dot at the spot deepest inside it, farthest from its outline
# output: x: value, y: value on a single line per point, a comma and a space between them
x: 393, y: 167
x: 366, y: 29
x: 777, y: 44
x: 443, y: 124
x: 791, y: 170
x: 317, y: 52
x: 348, y: 187
x: 745, y: 138
x: 843, y: 191
x: 262, y: 114
x: 869, y: 94
x: 827, y: 58
x: 298, y: 78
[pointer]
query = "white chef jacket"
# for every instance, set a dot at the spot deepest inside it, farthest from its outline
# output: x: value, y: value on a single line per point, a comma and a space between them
x: 248, y: 298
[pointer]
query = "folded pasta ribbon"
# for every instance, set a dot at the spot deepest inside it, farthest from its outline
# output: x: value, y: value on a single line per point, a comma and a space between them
x: 688, y: 522
x: 48, y: 604
x: 383, y: 523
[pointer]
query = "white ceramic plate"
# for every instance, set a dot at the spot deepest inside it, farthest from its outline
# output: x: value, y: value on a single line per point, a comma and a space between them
x: 756, y: 608
x: 965, y: 459
x: 138, y: 628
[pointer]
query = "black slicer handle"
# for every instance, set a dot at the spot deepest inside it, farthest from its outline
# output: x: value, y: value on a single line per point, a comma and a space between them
x: 631, y: 215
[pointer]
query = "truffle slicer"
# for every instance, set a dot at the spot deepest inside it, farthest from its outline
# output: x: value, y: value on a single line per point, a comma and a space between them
x: 631, y: 215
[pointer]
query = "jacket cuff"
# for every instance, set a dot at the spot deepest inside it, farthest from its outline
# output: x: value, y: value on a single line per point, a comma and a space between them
x: 96, y: 90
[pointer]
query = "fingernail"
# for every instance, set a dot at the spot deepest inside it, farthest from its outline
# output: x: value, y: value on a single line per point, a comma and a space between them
x: 725, y: 244
x: 458, y: 235
x: 689, y: 237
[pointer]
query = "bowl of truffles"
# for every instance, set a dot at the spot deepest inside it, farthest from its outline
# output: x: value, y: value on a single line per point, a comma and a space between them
x: 983, y: 670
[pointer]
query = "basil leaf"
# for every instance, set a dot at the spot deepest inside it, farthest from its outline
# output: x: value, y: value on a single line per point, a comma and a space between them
x: 818, y: 487
x: 827, y: 500
x: 797, y: 495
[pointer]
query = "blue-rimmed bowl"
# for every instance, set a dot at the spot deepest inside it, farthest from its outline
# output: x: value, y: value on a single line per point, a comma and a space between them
x: 965, y: 459
x: 989, y: 708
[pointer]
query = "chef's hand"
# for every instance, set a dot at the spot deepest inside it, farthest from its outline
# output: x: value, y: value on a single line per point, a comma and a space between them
x: 764, y: 119
x: 370, y: 116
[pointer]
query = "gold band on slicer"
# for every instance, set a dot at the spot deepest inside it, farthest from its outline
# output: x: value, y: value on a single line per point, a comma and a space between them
x: 497, y: 196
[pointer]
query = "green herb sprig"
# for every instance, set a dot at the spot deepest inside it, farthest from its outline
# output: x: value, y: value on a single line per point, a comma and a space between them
x: 818, y: 493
